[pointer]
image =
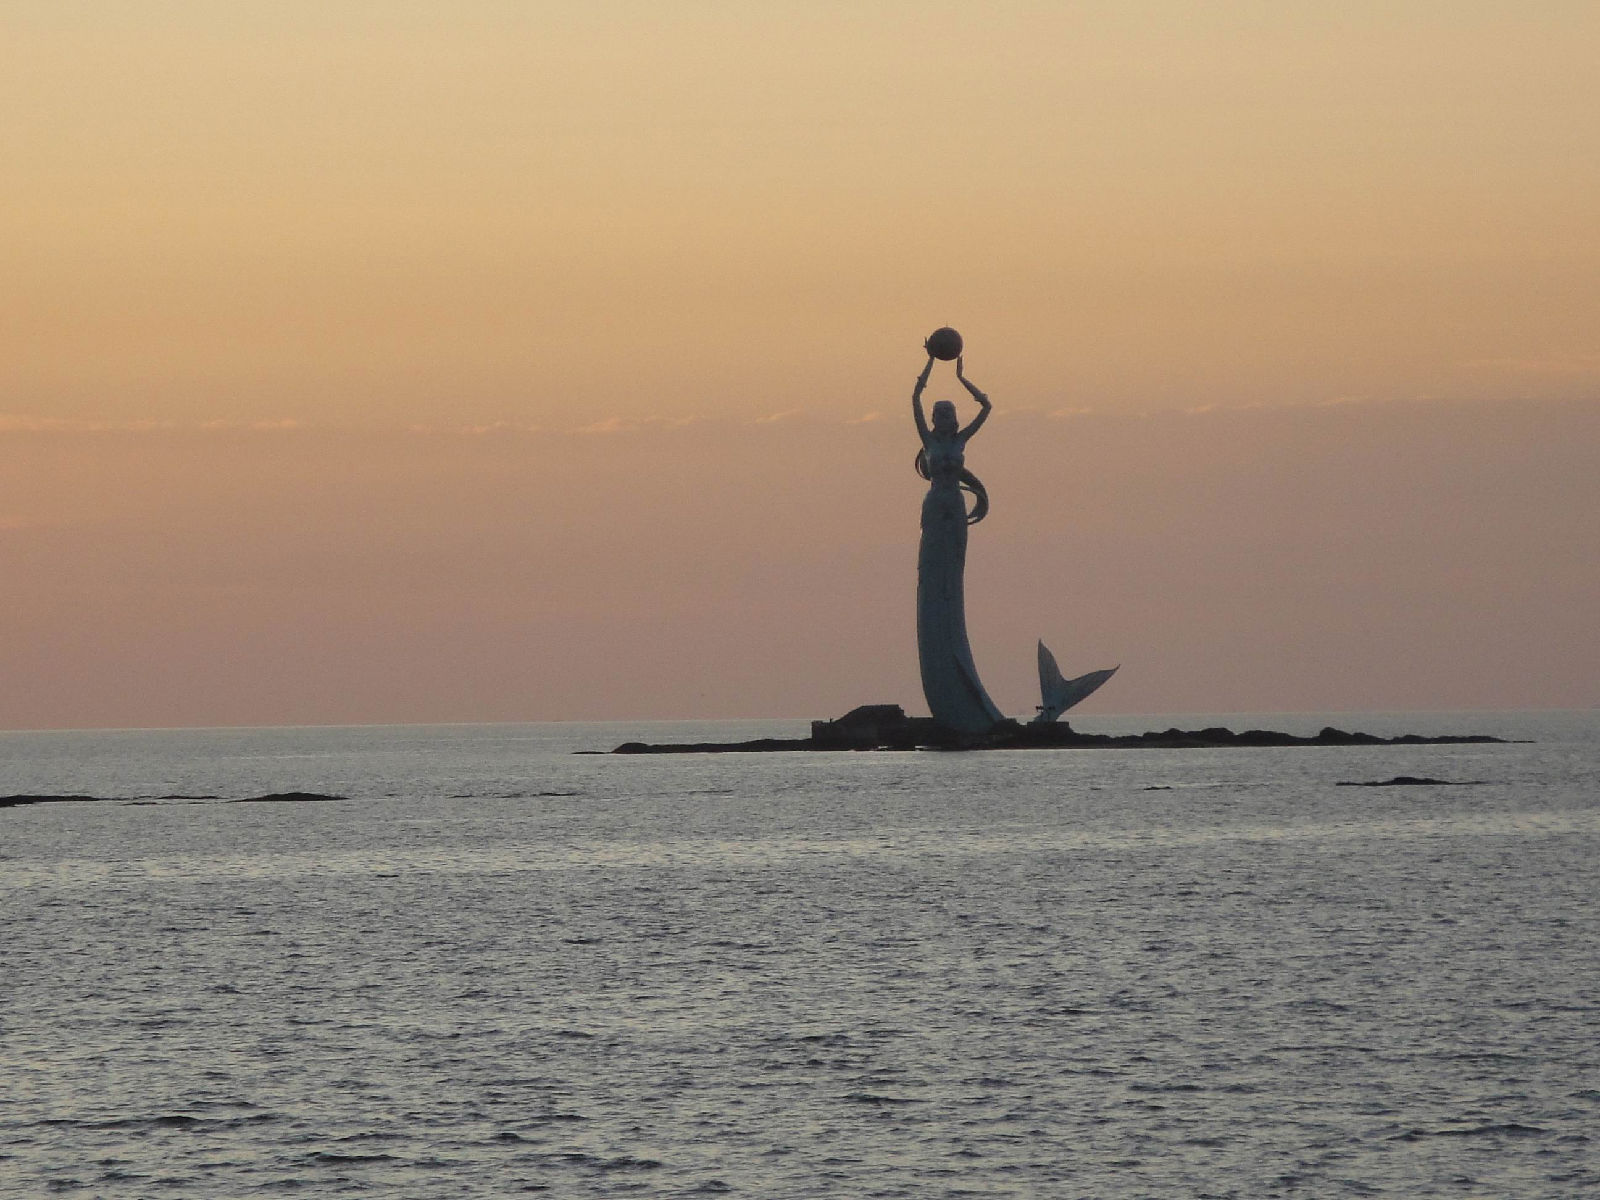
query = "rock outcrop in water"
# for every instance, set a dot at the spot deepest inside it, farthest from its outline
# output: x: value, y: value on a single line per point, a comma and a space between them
x: 289, y: 797
x: 887, y: 727
x: 1408, y: 781
x: 19, y: 801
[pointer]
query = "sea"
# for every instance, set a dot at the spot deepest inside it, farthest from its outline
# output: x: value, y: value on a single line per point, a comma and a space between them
x: 502, y: 966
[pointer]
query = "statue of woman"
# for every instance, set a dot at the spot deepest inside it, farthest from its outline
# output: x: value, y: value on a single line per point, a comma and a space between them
x: 949, y: 680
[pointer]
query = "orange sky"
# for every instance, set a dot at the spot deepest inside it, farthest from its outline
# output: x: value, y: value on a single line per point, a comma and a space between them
x: 394, y: 223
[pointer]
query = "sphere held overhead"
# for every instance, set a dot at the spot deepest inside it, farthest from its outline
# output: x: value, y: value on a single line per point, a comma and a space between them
x: 944, y: 344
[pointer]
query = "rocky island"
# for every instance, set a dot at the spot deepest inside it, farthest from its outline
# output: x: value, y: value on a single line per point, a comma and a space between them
x: 887, y: 727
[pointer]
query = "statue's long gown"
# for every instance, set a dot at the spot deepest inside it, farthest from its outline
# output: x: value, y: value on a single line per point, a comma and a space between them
x: 949, y: 680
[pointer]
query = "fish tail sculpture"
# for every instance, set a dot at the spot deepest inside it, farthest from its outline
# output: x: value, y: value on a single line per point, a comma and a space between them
x: 1057, y: 694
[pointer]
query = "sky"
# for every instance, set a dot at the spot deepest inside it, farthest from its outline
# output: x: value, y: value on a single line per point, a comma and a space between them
x: 368, y: 362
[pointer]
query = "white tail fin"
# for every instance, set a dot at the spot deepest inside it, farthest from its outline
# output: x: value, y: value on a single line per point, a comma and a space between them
x: 1057, y: 694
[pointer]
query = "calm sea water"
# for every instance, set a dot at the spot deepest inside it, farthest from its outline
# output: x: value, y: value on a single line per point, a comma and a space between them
x: 502, y: 967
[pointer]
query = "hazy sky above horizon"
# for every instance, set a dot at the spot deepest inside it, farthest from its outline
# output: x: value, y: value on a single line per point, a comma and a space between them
x: 632, y: 294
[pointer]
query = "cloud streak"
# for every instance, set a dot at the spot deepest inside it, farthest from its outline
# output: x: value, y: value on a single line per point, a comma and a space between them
x: 28, y: 423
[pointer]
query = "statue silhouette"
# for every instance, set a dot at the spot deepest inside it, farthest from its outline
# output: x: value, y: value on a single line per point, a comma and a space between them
x: 955, y: 694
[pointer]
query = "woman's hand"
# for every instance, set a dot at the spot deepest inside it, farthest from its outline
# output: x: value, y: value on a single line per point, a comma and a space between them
x: 922, y: 380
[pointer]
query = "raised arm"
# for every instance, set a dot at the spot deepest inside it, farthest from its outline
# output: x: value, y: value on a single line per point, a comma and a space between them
x: 916, y: 401
x: 983, y: 403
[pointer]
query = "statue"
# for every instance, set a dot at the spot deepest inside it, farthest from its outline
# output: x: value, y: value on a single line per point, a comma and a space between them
x: 950, y: 682
x: 955, y: 695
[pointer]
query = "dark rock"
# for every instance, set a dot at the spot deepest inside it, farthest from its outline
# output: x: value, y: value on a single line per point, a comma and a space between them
x: 862, y: 728
x: 19, y: 801
x: 1408, y: 781
x: 756, y: 746
x: 1338, y: 737
x: 1269, y: 737
x: 288, y: 797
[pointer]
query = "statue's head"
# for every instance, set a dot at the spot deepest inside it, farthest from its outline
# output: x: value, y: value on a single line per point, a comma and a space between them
x: 944, y: 417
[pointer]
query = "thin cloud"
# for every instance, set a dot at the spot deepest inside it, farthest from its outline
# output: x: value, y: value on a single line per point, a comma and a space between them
x: 609, y: 425
x: 30, y: 423
x: 496, y: 427
x: 1567, y: 364
x: 635, y: 424
x: 1340, y: 401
